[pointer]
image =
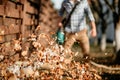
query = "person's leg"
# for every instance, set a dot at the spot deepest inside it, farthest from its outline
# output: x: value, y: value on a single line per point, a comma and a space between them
x: 84, y: 42
x: 70, y: 39
x: 85, y: 46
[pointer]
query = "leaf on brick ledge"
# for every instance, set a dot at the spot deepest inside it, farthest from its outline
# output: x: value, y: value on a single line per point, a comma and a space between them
x: 17, y: 46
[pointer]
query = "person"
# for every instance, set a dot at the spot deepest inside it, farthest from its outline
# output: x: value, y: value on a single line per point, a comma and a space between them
x: 76, y: 29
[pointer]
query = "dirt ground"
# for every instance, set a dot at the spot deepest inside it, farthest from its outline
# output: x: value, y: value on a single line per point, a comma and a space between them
x: 44, y: 63
x: 101, y: 59
x: 100, y: 56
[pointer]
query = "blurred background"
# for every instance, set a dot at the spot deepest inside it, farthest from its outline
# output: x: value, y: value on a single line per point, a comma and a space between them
x: 30, y: 25
x: 22, y: 18
x: 106, y: 13
x: 57, y: 3
x: 107, y: 16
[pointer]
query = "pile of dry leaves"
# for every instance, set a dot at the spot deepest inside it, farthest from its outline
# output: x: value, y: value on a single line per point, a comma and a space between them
x: 42, y: 63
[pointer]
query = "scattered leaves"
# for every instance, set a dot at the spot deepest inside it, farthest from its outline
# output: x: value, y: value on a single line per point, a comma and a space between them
x: 45, y: 62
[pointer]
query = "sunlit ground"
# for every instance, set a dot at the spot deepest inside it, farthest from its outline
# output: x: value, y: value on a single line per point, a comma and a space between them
x: 95, y: 52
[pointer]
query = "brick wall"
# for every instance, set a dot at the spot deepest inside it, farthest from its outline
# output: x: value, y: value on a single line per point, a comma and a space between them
x: 21, y: 17
x: 48, y: 16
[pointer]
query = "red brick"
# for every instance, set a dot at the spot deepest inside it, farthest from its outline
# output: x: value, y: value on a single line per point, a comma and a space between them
x: 9, y: 21
x: 10, y: 37
x: 1, y: 10
x: 2, y: 39
x: 13, y: 29
x: 11, y: 10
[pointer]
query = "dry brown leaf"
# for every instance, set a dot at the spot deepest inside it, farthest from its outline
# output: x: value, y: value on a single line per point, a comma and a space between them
x: 51, y: 63
x: 24, y: 53
x: 67, y: 61
x: 28, y: 71
x: 36, y: 74
x: 3, y: 73
x: 12, y: 77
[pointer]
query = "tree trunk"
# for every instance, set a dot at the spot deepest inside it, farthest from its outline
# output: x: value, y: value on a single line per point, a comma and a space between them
x: 103, y: 38
x: 117, y: 33
x: 103, y: 42
x: 116, y: 17
x: 117, y: 37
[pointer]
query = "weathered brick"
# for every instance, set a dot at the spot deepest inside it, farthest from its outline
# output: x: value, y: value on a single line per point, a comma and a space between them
x: 1, y: 9
x: 10, y: 37
x: 2, y: 39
